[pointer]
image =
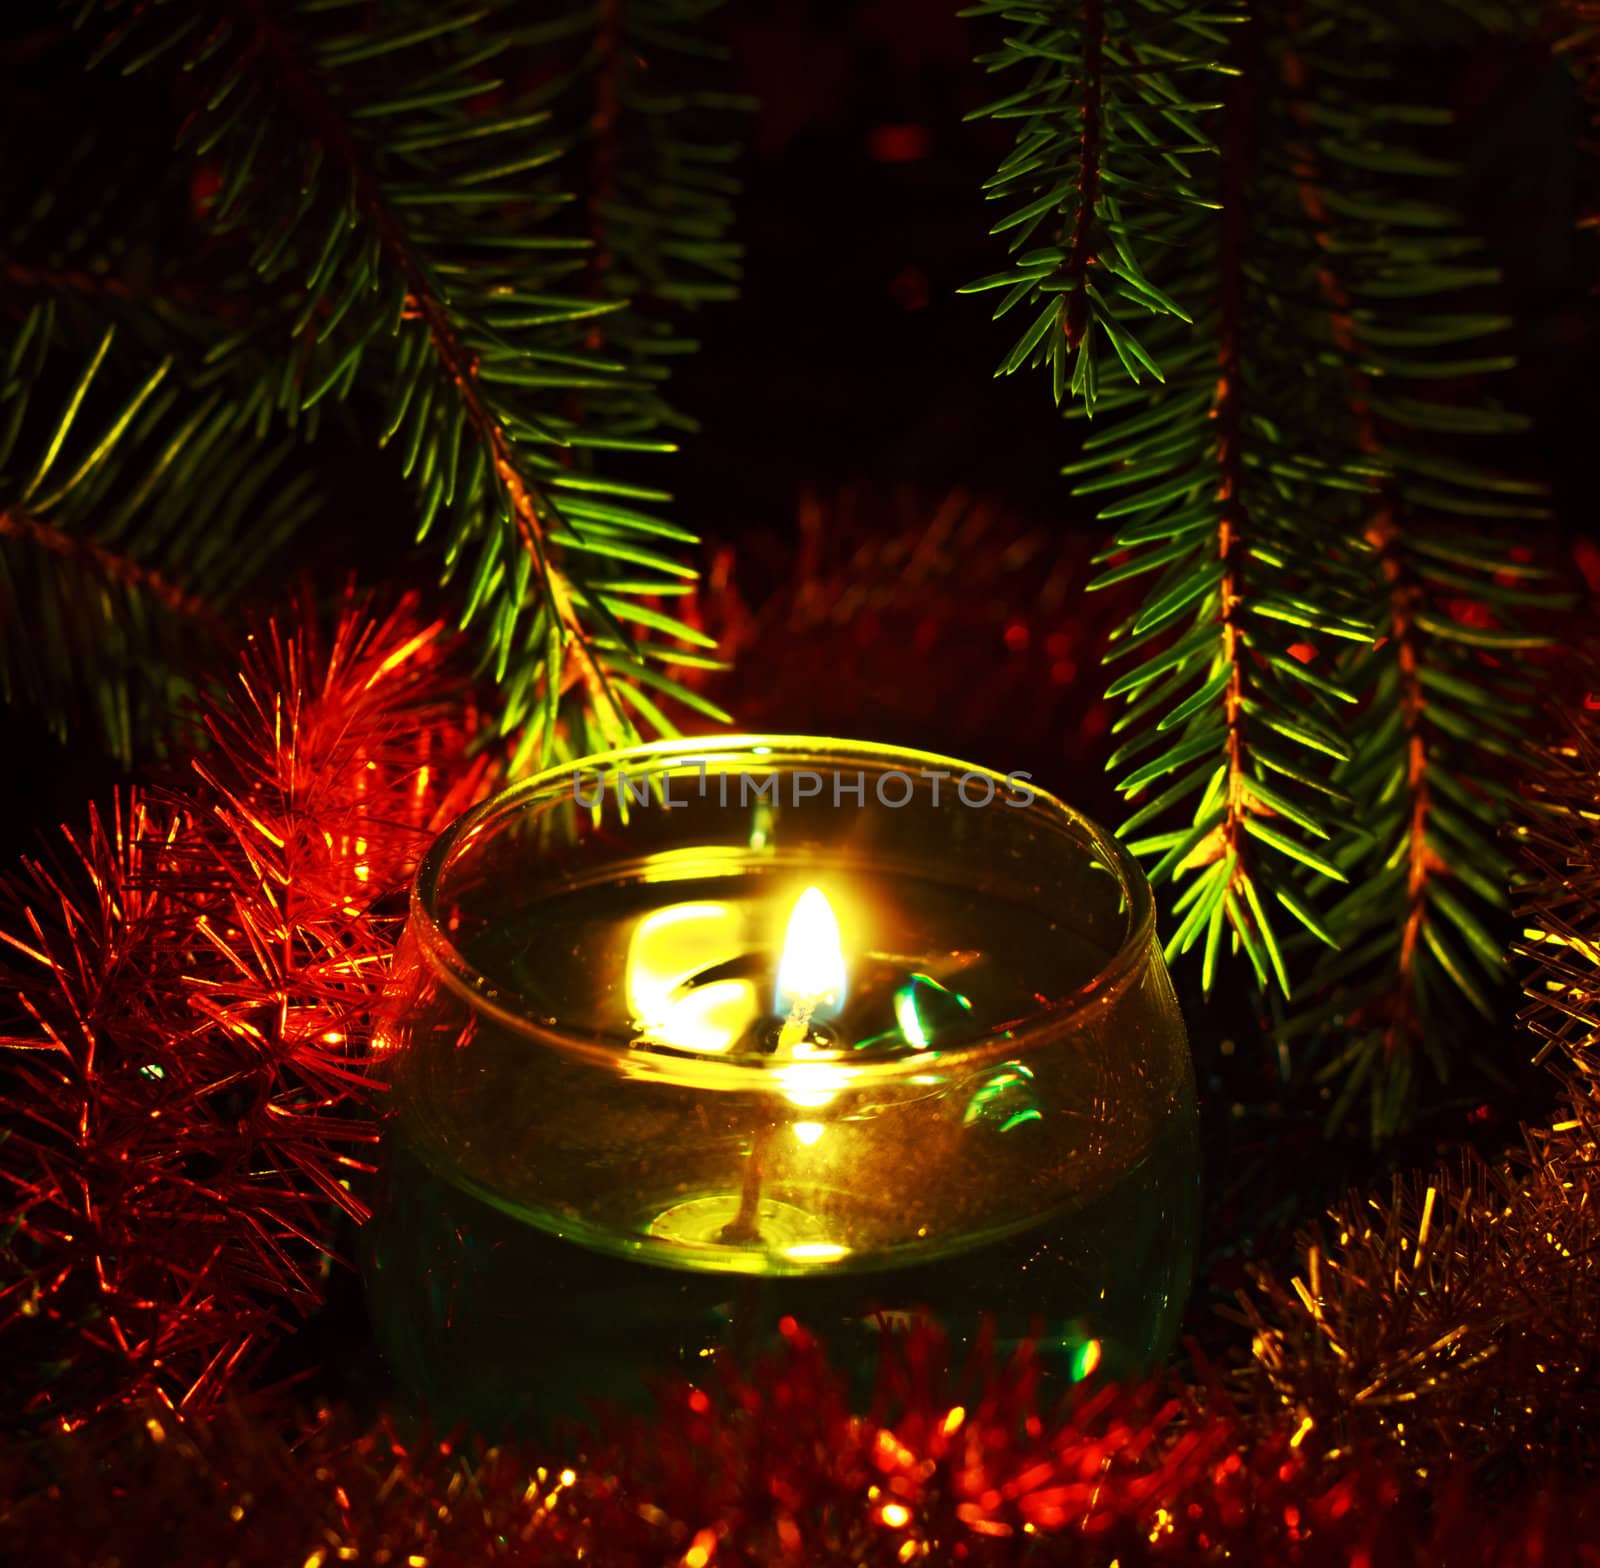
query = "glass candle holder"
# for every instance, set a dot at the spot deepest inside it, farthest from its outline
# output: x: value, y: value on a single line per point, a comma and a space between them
x: 692, y: 1037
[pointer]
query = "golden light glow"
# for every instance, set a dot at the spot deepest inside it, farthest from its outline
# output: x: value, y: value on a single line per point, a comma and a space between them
x: 701, y: 1550
x: 669, y: 946
x: 708, y: 1019
x: 811, y: 972
x: 808, y: 1132
x: 816, y: 1252
x: 811, y: 1084
x: 1577, y: 944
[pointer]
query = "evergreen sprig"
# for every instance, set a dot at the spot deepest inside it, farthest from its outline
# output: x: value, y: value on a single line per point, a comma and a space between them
x: 1321, y: 678
x: 1440, y: 697
x: 1109, y: 113
x: 398, y: 185
x: 658, y: 215
x: 404, y: 173
x: 142, y: 485
x: 133, y: 509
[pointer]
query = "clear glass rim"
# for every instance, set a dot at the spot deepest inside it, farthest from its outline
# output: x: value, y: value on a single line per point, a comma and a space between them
x: 478, y: 990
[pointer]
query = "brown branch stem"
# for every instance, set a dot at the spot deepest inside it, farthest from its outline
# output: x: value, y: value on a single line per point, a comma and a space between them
x: 1081, y: 253
x: 108, y: 564
x: 1383, y: 533
x: 528, y: 505
x: 1228, y: 412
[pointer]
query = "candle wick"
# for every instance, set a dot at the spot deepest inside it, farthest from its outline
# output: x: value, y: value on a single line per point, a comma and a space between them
x: 745, y: 1226
x: 796, y: 1027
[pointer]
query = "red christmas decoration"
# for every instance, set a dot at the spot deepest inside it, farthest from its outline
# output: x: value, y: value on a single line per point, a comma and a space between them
x: 950, y: 1466
x: 191, y: 978
x: 949, y: 615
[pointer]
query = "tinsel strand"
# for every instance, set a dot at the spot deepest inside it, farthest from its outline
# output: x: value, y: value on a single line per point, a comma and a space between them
x: 189, y: 979
x: 1559, y: 910
x: 949, y: 1467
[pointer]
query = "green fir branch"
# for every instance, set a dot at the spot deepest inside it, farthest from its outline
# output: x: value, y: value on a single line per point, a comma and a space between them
x: 1441, y: 694
x: 390, y: 170
x: 1109, y: 112
x: 1323, y: 673
x: 1244, y: 528
x: 658, y: 213
x: 145, y: 476
x: 134, y: 506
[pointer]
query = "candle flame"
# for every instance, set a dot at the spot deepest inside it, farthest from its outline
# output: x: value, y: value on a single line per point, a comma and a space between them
x: 812, y: 970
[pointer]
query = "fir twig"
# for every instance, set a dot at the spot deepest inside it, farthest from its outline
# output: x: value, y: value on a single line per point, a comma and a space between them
x: 109, y: 565
x: 1420, y: 928
x: 119, y: 553
x: 1302, y: 684
x: 532, y: 512
x: 396, y: 182
x: 1101, y: 116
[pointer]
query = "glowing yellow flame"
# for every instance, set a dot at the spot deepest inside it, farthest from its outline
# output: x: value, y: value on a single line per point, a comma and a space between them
x: 808, y: 1132
x: 811, y: 972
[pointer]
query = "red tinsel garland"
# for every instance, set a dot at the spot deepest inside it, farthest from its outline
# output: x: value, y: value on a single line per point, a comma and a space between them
x: 947, y: 613
x: 188, y: 975
x: 776, y: 1469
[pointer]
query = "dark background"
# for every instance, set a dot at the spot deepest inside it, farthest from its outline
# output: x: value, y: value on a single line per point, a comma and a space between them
x: 850, y: 385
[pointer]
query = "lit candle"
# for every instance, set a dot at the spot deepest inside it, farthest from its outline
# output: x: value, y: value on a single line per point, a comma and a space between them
x: 665, y: 1075
x: 811, y: 973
